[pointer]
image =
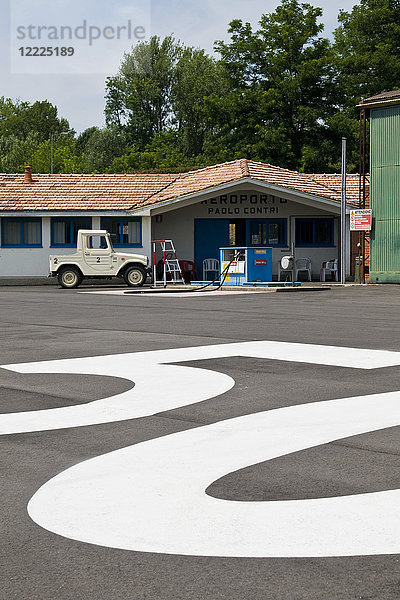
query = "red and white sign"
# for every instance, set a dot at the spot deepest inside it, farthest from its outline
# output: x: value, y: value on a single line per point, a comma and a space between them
x: 361, y: 220
x: 260, y: 262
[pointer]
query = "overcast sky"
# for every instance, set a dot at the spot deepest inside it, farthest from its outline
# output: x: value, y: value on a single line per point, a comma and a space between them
x: 76, y: 84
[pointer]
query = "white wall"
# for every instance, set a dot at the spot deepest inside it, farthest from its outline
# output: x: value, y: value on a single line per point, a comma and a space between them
x: 178, y: 225
x: 146, y: 237
x: 34, y: 262
x: 31, y: 262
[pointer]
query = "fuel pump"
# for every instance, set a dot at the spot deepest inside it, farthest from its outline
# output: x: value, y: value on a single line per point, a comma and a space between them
x: 246, y: 265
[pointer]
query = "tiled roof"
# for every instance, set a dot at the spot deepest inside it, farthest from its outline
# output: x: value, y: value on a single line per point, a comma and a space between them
x: 334, y: 181
x: 383, y: 99
x: 78, y: 192
x: 383, y: 96
x: 322, y: 186
x: 133, y: 191
x: 317, y: 184
x: 200, y: 180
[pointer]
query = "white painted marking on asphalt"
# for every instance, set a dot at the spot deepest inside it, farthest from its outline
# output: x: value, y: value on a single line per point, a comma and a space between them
x: 160, y: 387
x: 151, y: 497
x: 157, y: 388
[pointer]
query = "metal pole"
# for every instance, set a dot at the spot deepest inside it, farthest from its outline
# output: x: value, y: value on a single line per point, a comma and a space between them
x: 362, y: 186
x: 154, y: 266
x: 165, y: 266
x: 364, y: 182
x: 293, y: 265
x: 343, y: 217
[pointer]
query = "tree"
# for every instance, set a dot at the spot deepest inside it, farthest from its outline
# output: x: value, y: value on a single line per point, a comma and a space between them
x: 23, y: 119
x: 41, y: 118
x: 138, y: 98
x: 162, y: 86
x: 367, y: 48
x: 102, y: 146
x: 366, y: 61
x: 83, y: 139
x: 65, y: 157
x: 282, y: 76
x: 16, y: 153
x: 25, y: 132
x: 10, y: 117
x: 162, y: 154
x: 197, y: 76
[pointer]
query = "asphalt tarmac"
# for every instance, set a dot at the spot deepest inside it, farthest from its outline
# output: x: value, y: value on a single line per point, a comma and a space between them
x: 46, y: 323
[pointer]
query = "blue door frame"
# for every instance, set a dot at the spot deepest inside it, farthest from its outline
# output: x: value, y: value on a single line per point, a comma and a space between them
x: 212, y: 234
x: 209, y: 236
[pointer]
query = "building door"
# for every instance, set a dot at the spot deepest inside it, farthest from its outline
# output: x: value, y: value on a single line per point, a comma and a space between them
x: 237, y: 232
x: 209, y: 236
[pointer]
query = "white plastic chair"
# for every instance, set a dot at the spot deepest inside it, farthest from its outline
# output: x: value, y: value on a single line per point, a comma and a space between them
x: 303, y: 264
x: 210, y: 265
x: 331, y: 267
x: 288, y: 269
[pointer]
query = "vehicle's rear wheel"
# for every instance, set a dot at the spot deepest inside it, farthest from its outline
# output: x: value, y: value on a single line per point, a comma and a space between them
x: 69, y: 278
x: 135, y: 276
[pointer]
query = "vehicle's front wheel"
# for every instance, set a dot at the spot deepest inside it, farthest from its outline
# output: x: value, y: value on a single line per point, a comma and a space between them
x: 135, y: 276
x: 69, y: 278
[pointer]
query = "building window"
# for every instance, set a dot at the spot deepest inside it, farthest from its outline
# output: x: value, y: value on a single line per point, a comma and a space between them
x: 125, y: 232
x: 268, y: 232
x: 314, y: 232
x: 64, y: 232
x: 21, y: 232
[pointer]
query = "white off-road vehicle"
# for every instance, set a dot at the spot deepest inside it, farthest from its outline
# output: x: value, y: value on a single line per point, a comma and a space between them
x: 96, y: 258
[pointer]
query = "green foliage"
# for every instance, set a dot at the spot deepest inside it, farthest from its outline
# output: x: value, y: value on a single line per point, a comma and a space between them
x: 281, y: 93
x: 138, y: 98
x: 282, y: 84
x: 22, y: 119
x: 102, y: 146
x: 83, y: 139
x: 162, y: 154
x: 25, y: 133
x: 366, y: 61
x: 197, y: 76
x: 65, y: 158
x: 16, y: 153
x: 367, y: 47
x: 162, y: 87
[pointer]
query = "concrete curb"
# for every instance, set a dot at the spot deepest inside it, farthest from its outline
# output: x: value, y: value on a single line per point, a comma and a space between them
x: 52, y: 281
x: 12, y: 281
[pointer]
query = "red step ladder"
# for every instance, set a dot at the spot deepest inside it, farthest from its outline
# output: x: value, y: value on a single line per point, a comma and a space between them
x: 171, y: 264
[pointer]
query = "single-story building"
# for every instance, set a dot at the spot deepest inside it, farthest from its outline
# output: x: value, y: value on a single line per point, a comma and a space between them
x: 238, y: 203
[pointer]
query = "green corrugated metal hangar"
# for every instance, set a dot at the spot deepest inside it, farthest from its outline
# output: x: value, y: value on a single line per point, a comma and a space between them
x: 384, y: 117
